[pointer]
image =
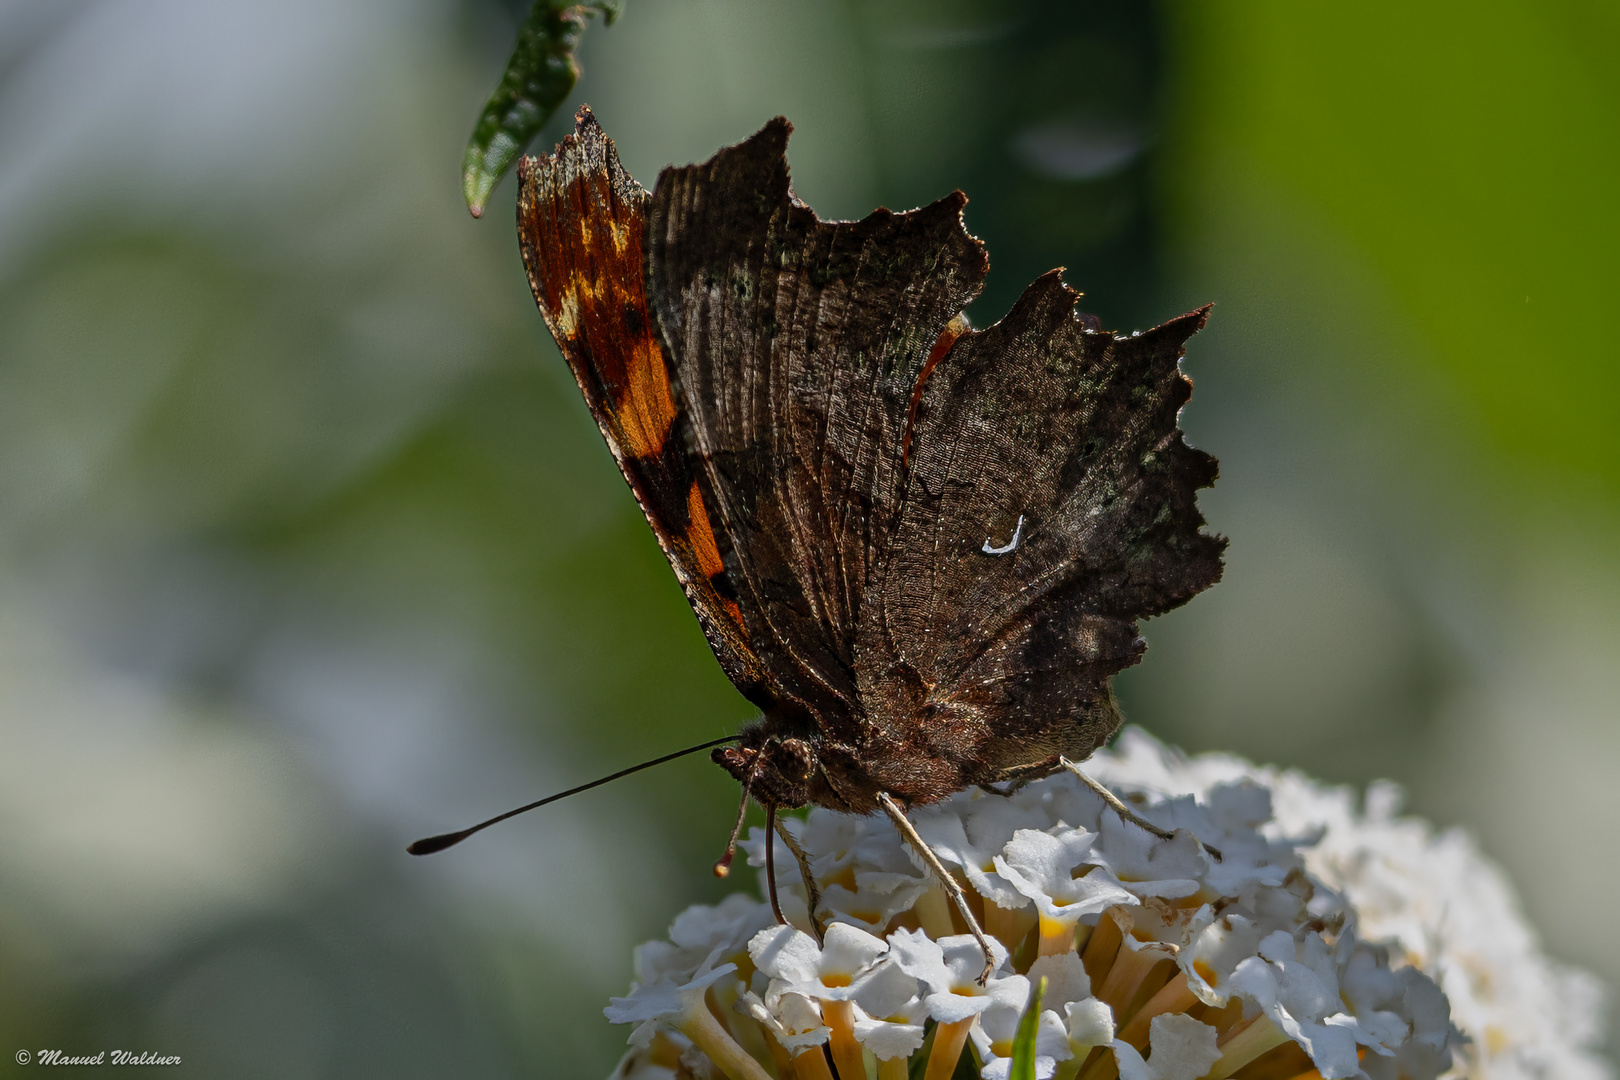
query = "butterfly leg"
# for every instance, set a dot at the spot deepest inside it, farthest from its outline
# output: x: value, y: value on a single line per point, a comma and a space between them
x: 770, y: 865
x: 812, y: 891
x: 1020, y: 776
x: 901, y: 822
x: 1126, y: 812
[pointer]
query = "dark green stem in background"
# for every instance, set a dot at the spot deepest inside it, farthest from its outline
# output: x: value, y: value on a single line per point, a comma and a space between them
x: 538, y: 79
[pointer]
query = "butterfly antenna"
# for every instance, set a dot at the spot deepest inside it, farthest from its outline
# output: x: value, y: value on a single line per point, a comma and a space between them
x: 431, y: 844
x: 722, y: 865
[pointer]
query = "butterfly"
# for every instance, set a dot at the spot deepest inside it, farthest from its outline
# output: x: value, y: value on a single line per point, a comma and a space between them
x: 920, y: 549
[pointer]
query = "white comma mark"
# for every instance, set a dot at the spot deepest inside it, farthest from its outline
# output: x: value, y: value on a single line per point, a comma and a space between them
x: 1018, y: 534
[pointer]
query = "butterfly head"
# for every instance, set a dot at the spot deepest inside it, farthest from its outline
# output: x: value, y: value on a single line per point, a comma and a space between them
x: 775, y: 769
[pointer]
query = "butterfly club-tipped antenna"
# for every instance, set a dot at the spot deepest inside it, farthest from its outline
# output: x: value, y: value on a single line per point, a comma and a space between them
x: 430, y: 844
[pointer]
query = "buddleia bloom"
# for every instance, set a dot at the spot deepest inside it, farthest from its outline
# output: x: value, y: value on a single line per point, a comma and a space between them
x: 1323, y: 943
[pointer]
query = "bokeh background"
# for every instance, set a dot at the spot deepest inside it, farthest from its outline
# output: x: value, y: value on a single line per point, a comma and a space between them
x: 309, y: 547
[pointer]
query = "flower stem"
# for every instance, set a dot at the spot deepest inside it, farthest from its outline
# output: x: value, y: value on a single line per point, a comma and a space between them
x: 1007, y: 925
x: 948, y: 1042
x: 1244, y: 1045
x: 705, y: 1031
x: 1130, y: 967
x: 1174, y: 996
x: 839, y: 1016
x: 1056, y: 937
x: 783, y: 1060
x: 1100, y: 948
x: 892, y: 1068
x: 812, y: 1065
x: 1101, y: 1064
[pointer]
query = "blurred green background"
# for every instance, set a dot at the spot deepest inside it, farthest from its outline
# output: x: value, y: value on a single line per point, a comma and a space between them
x: 309, y: 547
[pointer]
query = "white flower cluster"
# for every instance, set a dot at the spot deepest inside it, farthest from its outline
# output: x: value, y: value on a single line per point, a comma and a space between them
x: 1159, y: 962
x: 1432, y: 896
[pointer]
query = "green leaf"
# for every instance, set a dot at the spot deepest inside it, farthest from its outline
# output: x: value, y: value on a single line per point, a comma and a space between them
x: 1023, y: 1055
x: 538, y: 79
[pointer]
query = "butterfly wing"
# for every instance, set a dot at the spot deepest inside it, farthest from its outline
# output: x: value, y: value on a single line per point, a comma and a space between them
x: 1050, y: 504
x: 938, y: 543
x: 581, y: 222
x: 796, y: 345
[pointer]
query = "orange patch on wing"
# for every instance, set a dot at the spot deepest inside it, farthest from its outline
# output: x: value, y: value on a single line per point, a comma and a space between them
x: 947, y: 337
x: 590, y: 287
x: 645, y: 408
x: 581, y: 224
x: 700, y: 534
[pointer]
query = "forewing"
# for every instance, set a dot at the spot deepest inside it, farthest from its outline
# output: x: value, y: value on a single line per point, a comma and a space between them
x: 796, y: 344
x: 1050, y: 504
x: 581, y: 225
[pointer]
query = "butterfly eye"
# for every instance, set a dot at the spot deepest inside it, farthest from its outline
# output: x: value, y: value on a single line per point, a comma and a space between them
x: 795, y: 760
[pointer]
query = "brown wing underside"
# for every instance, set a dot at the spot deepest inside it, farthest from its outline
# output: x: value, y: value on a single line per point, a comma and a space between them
x: 1050, y: 504
x: 581, y: 224
x: 797, y: 344
x: 941, y: 544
